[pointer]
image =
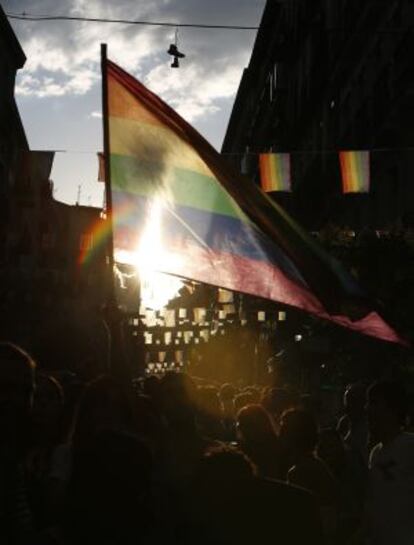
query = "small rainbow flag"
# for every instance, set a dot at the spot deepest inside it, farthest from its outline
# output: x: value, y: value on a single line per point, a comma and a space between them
x: 275, y: 172
x: 355, y: 171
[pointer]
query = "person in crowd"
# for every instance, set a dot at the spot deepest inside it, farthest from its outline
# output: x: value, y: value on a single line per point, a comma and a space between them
x: 276, y: 401
x: 109, y: 498
x: 176, y: 390
x: 331, y: 450
x: 254, y: 392
x: 258, y: 440
x: 149, y: 425
x: 151, y: 387
x: 391, y: 466
x: 103, y: 405
x: 343, y: 426
x: 410, y: 414
x: 186, y: 445
x: 227, y: 394
x: 152, y: 430
x: 46, y: 435
x: 242, y: 400
x: 310, y: 403
x: 299, y: 436
x: 209, y: 415
x: 209, y: 508
x: 356, y: 437
x: 17, y: 387
x: 351, y: 481
x: 229, y: 505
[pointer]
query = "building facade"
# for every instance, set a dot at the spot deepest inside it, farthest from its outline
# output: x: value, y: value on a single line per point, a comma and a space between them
x: 12, y: 135
x: 52, y: 255
x: 326, y: 76
x: 53, y: 280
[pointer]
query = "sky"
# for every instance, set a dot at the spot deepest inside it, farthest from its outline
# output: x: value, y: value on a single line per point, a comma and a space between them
x: 58, y: 91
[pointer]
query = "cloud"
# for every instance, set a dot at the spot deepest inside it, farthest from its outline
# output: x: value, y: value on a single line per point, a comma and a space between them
x: 96, y: 114
x: 63, y: 57
x: 69, y: 52
x: 194, y: 90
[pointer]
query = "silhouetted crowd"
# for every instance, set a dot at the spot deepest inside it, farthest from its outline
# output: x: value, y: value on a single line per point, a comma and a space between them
x: 181, y: 461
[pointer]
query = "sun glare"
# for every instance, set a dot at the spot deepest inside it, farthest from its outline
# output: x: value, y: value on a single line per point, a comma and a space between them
x: 150, y: 257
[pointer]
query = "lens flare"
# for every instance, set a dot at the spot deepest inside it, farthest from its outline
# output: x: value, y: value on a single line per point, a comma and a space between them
x: 150, y: 258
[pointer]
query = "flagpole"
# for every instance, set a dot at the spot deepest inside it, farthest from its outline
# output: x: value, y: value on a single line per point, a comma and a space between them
x: 117, y: 363
x: 107, y: 167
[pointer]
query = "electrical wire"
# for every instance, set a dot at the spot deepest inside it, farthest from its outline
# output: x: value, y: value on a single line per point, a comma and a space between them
x: 28, y: 17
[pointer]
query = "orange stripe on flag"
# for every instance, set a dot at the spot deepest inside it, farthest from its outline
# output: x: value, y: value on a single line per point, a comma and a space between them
x: 121, y: 103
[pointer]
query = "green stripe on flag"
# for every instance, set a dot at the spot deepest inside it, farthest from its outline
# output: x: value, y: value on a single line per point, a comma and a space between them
x: 183, y: 187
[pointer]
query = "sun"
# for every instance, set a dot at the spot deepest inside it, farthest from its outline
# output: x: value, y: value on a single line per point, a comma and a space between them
x: 151, y: 257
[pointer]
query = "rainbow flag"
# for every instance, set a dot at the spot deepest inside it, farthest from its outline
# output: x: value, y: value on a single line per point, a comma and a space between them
x: 275, y: 171
x: 355, y: 171
x: 178, y: 208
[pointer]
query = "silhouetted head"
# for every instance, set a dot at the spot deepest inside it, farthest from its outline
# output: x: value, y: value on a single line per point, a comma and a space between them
x: 17, y: 387
x: 148, y: 423
x: 354, y: 402
x: 227, y: 393
x: 254, y: 424
x: 254, y: 392
x: 298, y: 431
x: 343, y: 426
x: 178, y: 402
x: 222, y: 467
x: 278, y: 400
x: 152, y: 387
x: 386, y: 409
x: 177, y: 389
x: 104, y: 405
x: 331, y: 449
x: 17, y: 376
x: 208, y: 401
x: 242, y: 400
x: 47, y: 409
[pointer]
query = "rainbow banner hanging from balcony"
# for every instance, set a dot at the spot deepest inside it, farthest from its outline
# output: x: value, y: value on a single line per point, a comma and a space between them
x: 275, y: 172
x: 355, y: 171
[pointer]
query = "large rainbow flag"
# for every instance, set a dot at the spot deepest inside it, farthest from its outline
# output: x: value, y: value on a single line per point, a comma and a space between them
x: 178, y: 204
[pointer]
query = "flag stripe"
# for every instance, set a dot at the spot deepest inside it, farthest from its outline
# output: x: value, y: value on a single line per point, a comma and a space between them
x: 185, y: 187
x: 238, y: 273
x: 241, y: 238
x: 250, y: 277
x: 121, y: 103
x: 134, y: 138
